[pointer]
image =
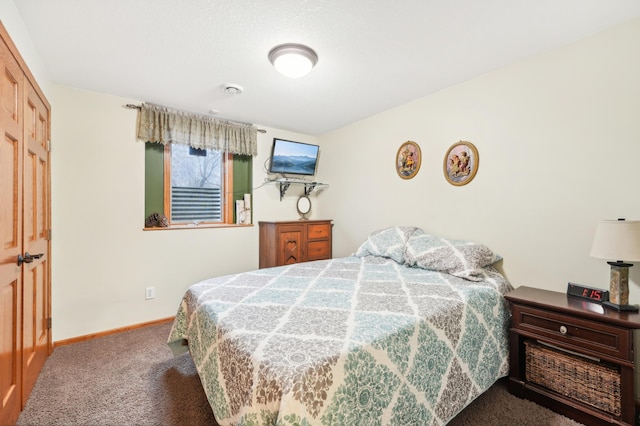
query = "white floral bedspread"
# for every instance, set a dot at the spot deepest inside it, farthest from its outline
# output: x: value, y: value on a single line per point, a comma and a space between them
x: 349, y: 341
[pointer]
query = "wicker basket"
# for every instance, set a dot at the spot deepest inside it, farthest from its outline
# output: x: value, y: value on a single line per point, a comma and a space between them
x: 588, y: 381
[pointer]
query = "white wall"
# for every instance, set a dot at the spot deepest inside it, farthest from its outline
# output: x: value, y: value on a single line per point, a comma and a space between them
x: 558, y: 137
x: 102, y: 258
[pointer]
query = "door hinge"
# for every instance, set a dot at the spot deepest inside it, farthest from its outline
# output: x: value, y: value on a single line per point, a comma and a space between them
x: 49, y: 234
x: 49, y: 323
x: 49, y: 145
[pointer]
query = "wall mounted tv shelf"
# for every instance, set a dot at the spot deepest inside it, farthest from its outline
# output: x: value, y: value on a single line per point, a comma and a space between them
x: 284, y: 184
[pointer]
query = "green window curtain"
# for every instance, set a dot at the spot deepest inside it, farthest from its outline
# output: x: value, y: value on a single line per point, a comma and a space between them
x: 242, y: 178
x: 153, y: 178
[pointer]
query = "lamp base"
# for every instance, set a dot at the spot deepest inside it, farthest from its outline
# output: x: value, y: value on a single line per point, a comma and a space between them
x: 619, y: 283
x: 621, y: 308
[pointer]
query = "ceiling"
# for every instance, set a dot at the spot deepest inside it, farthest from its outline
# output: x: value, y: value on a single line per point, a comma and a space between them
x: 373, y: 54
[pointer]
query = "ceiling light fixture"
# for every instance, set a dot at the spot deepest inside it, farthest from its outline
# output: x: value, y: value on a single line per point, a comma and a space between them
x: 293, y: 60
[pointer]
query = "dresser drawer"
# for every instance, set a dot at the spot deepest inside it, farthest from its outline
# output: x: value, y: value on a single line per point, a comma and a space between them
x: 318, y: 250
x: 581, y: 333
x: 319, y: 231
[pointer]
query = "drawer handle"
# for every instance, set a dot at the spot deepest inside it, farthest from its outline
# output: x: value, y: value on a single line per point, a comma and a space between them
x: 563, y: 329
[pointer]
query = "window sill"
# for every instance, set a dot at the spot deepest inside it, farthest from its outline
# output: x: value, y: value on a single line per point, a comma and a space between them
x: 199, y: 226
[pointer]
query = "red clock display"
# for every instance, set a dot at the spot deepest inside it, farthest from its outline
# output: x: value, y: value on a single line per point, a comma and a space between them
x: 593, y: 294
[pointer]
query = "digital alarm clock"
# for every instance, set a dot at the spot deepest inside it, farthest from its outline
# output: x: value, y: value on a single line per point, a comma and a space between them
x: 596, y: 295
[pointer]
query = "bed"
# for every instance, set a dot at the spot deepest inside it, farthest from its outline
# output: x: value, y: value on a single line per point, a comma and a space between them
x: 406, y: 331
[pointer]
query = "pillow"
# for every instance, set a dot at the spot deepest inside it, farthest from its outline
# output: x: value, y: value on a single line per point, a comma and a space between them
x: 388, y: 242
x: 463, y: 259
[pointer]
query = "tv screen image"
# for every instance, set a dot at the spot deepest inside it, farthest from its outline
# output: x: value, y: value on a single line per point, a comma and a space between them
x: 293, y: 157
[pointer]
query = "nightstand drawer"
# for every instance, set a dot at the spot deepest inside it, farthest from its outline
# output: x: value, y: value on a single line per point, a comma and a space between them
x: 580, y: 333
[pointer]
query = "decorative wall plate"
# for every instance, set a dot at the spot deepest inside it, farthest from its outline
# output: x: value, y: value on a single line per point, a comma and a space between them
x: 408, y: 160
x: 461, y: 163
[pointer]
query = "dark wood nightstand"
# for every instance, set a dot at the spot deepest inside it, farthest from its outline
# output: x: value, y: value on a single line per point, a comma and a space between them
x: 573, y: 356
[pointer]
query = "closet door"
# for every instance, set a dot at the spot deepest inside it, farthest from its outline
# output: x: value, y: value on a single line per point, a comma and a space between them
x: 36, y: 337
x: 25, y: 282
x: 11, y: 160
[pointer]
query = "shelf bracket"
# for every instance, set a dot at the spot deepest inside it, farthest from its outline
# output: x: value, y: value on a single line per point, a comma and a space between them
x: 283, y: 189
x: 308, y: 187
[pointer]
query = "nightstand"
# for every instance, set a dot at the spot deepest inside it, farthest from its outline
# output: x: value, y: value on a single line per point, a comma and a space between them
x: 573, y: 356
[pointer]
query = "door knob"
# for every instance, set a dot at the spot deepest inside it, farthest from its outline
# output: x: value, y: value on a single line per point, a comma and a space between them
x: 28, y: 258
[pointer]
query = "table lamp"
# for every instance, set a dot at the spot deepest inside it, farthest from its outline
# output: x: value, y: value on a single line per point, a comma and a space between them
x: 619, y: 242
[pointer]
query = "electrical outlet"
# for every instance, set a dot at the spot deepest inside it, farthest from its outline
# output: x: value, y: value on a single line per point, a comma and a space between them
x: 150, y: 293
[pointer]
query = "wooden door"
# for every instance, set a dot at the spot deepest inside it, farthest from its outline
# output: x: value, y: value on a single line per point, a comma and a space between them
x: 11, y: 159
x: 35, y: 278
x: 25, y: 287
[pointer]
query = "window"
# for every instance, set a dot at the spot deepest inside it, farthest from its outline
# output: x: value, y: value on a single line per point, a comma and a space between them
x: 196, y: 167
x: 194, y: 186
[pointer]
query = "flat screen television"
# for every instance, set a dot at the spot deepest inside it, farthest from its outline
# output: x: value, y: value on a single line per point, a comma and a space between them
x: 297, y: 158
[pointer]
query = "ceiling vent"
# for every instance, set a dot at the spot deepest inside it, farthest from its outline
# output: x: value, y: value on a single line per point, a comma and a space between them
x: 234, y: 89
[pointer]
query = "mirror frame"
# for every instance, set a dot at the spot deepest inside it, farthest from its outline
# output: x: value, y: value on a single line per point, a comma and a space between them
x: 304, y: 206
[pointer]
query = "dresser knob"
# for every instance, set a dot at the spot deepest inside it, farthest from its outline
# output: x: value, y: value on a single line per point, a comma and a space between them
x: 563, y: 329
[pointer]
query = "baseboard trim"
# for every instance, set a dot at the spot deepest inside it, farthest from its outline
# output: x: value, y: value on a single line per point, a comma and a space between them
x: 109, y: 332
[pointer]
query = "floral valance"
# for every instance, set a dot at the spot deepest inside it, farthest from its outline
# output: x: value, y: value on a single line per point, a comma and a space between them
x: 162, y: 125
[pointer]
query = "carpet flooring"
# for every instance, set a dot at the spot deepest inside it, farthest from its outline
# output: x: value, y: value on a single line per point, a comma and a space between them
x: 132, y: 378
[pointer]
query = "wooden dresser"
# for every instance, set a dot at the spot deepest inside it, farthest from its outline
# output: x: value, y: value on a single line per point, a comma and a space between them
x: 284, y: 243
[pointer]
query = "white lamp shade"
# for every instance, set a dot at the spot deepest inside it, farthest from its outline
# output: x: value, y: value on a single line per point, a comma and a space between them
x: 617, y: 240
x: 293, y: 60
